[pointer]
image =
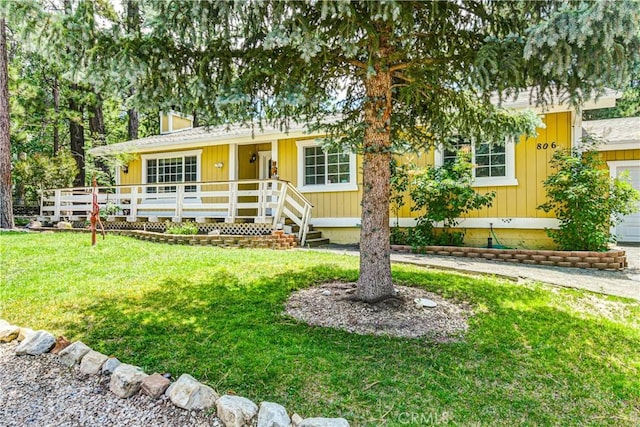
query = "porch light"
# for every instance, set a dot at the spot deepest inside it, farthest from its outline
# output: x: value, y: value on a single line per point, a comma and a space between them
x: 125, y: 169
x: 218, y: 165
x: 253, y: 158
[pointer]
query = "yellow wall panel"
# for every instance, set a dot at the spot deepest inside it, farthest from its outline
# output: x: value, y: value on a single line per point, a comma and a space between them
x: 509, y: 237
x: 134, y: 174
x: 177, y: 123
x: 212, y: 155
x: 164, y: 123
x: 181, y: 123
x: 617, y: 155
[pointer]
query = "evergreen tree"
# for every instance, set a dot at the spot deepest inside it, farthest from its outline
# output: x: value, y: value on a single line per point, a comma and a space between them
x: 406, y: 74
x: 6, y: 199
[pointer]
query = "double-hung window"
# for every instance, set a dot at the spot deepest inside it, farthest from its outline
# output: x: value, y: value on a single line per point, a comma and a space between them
x: 171, y: 168
x: 325, y: 170
x: 494, y: 164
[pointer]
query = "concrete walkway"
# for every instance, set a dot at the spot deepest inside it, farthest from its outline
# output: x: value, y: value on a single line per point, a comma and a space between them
x: 618, y: 283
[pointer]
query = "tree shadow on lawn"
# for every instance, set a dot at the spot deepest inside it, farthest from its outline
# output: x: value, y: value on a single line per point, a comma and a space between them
x: 522, y: 358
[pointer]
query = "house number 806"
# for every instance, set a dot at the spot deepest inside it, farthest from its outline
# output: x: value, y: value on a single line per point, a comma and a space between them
x: 546, y: 145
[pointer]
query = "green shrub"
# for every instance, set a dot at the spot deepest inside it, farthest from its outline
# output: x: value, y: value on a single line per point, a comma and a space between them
x: 182, y: 228
x: 109, y: 209
x: 398, y: 185
x: 43, y: 171
x: 586, y: 200
x: 443, y: 194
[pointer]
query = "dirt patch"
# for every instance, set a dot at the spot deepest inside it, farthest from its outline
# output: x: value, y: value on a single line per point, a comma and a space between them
x: 595, y: 305
x: 333, y: 305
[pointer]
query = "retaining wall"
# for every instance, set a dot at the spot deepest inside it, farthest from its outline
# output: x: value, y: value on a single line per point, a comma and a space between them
x: 610, y: 260
x: 276, y: 240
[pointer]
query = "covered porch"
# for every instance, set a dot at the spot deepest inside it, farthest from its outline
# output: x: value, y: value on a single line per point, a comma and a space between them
x: 268, y: 204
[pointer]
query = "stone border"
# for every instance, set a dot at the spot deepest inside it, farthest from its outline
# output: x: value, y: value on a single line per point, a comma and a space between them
x: 276, y: 240
x: 128, y: 380
x: 610, y: 260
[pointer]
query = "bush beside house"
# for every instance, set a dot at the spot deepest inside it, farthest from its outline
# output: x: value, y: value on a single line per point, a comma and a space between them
x: 586, y: 200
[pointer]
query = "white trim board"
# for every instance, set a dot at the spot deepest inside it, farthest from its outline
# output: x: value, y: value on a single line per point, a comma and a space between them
x: 620, y: 145
x: 498, y: 223
x: 615, y: 164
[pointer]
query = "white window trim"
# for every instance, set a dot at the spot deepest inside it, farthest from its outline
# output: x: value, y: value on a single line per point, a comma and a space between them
x: 324, y: 188
x: 510, y: 162
x: 614, y: 165
x: 172, y: 155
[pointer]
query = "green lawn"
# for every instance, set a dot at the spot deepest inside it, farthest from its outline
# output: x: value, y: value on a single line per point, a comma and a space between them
x: 534, y: 354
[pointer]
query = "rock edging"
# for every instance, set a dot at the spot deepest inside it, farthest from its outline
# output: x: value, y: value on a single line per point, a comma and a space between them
x: 610, y: 260
x: 187, y: 393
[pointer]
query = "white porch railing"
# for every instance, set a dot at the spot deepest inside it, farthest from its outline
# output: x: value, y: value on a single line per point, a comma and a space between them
x: 264, y: 201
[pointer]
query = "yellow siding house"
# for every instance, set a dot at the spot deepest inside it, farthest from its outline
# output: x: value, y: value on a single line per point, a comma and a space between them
x: 332, y: 183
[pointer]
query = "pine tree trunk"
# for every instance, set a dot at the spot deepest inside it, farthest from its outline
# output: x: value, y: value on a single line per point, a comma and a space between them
x: 375, y: 266
x: 76, y: 139
x: 133, y: 124
x: 99, y: 136
x: 55, y: 92
x: 6, y: 201
x: 96, y: 125
x: 133, y: 28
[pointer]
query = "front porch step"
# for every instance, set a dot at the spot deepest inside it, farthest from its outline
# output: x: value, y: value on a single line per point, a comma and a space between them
x: 314, y: 237
x: 312, y: 243
x: 313, y: 234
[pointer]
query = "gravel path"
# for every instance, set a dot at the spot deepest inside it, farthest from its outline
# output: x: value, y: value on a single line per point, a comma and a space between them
x: 40, y: 391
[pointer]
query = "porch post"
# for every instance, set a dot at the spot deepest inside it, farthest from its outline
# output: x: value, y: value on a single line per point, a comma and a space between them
x: 262, y: 201
x: 233, y: 162
x: 179, y: 202
x: 57, y: 201
x: 274, y: 154
x: 133, y: 212
x: 232, y: 201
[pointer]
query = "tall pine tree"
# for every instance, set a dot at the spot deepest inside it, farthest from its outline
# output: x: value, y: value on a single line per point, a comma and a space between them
x: 403, y: 75
x: 6, y: 199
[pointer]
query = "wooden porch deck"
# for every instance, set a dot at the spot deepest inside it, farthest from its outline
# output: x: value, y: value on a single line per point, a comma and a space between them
x: 269, y: 202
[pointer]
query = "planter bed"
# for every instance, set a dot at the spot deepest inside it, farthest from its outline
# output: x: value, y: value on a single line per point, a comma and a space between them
x: 609, y: 260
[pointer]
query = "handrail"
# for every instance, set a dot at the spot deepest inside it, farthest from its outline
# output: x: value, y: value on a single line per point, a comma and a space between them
x: 160, y: 184
x: 298, y: 193
x: 303, y: 217
x: 267, y: 200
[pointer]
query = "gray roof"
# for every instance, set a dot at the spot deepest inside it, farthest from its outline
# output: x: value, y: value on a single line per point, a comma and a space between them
x: 200, y: 136
x: 614, y: 131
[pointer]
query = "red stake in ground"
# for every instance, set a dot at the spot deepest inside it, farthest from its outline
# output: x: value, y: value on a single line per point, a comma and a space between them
x: 95, y: 214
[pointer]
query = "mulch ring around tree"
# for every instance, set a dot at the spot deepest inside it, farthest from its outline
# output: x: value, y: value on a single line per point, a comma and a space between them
x: 334, y: 305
